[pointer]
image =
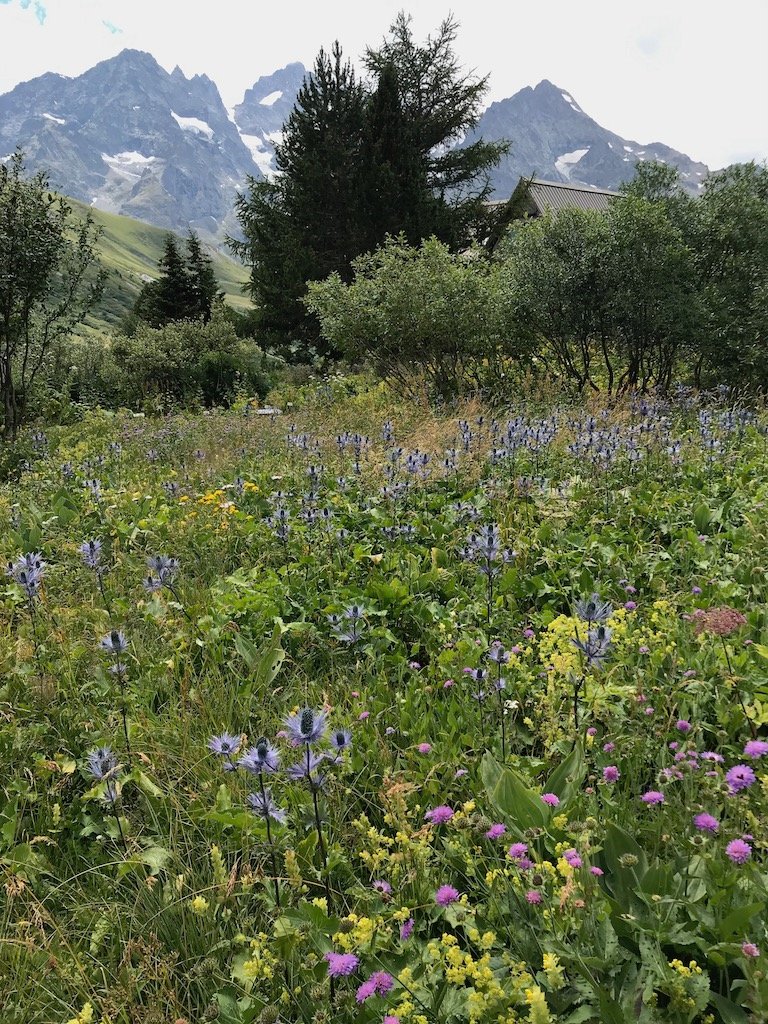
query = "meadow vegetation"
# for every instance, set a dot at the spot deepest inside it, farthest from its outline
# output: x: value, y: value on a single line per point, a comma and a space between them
x: 370, y: 713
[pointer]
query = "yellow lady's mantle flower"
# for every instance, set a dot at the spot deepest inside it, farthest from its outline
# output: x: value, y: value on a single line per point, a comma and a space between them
x: 84, y: 1017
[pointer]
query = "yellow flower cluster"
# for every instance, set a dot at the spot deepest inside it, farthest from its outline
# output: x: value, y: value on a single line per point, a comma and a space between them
x: 554, y: 971
x: 261, y: 963
x: 538, y: 1011
x: 358, y: 932
x: 460, y: 968
x: 85, y: 1016
x: 682, y: 970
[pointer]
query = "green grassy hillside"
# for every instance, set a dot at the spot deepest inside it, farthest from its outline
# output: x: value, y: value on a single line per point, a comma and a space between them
x: 131, y: 248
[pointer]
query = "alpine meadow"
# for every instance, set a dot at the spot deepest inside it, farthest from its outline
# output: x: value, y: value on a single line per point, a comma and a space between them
x: 383, y: 604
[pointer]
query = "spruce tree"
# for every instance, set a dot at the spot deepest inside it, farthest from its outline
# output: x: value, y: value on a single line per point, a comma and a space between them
x: 440, y: 103
x: 203, y: 287
x: 357, y: 163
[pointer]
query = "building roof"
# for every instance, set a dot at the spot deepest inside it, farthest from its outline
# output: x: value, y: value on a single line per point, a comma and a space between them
x: 559, y: 195
x: 537, y: 197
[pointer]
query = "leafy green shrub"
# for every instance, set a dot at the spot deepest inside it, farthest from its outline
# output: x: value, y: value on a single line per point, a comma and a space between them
x: 414, y: 310
x: 183, y: 363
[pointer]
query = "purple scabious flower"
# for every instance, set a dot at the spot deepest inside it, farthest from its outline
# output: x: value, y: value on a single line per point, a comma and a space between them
x: 496, y: 831
x: 738, y: 851
x: 517, y: 850
x: 263, y: 758
x: 750, y: 949
x: 711, y: 755
x: 653, y: 796
x: 381, y: 886
x: 265, y: 807
x: 424, y: 748
x: 446, y: 895
x: 225, y: 744
x: 406, y: 928
x: 706, y: 823
x: 755, y: 748
x: 341, y: 964
x: 683, y: 725
x: 608, y: 748
x: 306, y: 726
x: 611, y: 773
x: 439, y: 815
x: 551, y: 799
x: 114, y: 643
x: 379, y: 984
x: 739, y: 777
x: 533, y: 897
x: 596, y: 871
x: 573, y: 858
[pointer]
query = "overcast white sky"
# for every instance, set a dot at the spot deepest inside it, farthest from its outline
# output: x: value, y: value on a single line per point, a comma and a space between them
x: 691, y: 75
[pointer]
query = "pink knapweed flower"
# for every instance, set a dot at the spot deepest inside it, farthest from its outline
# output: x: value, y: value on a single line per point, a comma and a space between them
x: 551, y: 799
x: 496, y: 830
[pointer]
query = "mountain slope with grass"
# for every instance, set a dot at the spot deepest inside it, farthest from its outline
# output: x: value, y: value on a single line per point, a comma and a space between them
x: 129, y: 250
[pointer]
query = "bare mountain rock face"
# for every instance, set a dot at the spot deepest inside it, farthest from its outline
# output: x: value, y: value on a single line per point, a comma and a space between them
x: 552, y: 138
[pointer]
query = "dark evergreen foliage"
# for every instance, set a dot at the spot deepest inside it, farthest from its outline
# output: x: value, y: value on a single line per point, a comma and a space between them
x: 185, y: 290
x: 358, y: 163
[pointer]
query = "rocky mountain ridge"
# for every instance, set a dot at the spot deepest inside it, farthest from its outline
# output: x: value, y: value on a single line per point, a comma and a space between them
x: 128, y: 137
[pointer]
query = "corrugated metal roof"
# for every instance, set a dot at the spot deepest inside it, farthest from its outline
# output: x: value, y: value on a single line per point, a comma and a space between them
x: 558, y: 195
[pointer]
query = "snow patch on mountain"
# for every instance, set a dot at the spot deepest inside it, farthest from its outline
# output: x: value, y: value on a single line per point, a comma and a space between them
x: 271, y: 99
x: 565, y: 163
x: 193, y: 124
x: 57, y: 120
x: 262, y: 154
x: 129, y: 164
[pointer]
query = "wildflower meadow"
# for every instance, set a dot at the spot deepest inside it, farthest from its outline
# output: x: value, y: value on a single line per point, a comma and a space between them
x: 351, y: 711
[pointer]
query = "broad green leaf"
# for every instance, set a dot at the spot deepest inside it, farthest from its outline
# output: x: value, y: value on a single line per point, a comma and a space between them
x: 512, y: 798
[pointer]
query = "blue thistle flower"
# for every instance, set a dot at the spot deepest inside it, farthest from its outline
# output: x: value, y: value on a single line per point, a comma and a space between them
x: 114, y: 643
x: 593, y: 609
x: 91, y: 553
x: 262, y: 758
x: 225, y: 744
x: 265, y: 807
x: 306, y: 726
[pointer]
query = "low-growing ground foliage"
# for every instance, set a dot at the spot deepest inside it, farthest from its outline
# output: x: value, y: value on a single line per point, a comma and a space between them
x: 361, y: 713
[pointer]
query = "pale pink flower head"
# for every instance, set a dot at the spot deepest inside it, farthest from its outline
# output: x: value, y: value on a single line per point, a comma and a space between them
x: 446, y: 895
x: 533, y: 897
x: 611, y: 773
x: 551, y: 799
x: 706, y: 823
x: 739, y: 777
x: 720, y: 621
x: 517, y: 850
x: 750, y: 949
x: 424, y: 748
x: 653, y: 796
x: 755, y: 748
